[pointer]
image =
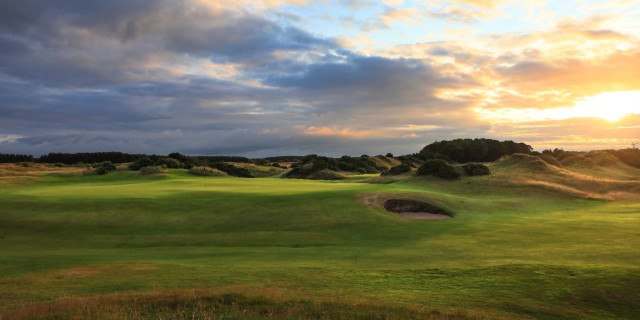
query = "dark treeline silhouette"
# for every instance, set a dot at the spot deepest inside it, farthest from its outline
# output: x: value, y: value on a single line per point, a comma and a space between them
x: 89, y: 157
x: 13, y: 158
x: 223, y: 159
x: 472, y: 150
x: 362, y: 164
x: 284, y: 158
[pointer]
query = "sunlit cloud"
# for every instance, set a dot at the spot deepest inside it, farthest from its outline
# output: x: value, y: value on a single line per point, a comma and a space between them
x: 297, y: 76
x: 610, y: 106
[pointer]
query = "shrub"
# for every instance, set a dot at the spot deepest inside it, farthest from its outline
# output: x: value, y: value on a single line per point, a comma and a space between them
x: 141, y: 163
x: 151, y: 170
x: 232, y: 170
x: 399, y: 169
x: 389, y: 155
x: 476, y: 169
x: 169, y: 163
x: 105, y: 167
x: 438, y: 168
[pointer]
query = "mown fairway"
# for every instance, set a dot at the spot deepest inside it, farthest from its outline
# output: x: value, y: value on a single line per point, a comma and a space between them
x: 180, y: 246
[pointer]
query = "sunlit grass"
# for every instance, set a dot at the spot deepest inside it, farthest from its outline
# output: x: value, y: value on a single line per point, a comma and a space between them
x: 122, y: 245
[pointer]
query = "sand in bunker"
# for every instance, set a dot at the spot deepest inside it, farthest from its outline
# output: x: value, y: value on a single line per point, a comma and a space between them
x: 414, y: 209
x: 422, y: 215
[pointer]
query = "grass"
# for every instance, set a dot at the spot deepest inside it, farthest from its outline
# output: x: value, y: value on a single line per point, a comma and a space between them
x: 177, y: 246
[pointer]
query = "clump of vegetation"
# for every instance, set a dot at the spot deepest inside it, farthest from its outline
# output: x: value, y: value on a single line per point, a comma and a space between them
x: 151, y: 170
x: 472, y: 150
x: 257, y: 170
x: 313, y: 172
x: 399, y: 169
x: 326, y: 168
x: 411, y: 159
x: 438, y: 168
x: 232, y: 170
x: 476, y: 169
x: 104, y: 168
x: 141, y: 163
x: 169, y: 163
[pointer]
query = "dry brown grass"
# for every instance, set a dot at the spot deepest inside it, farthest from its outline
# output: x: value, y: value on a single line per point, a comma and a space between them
x: 607, y: 178
x: 231, y: 302
x: 14, y: 174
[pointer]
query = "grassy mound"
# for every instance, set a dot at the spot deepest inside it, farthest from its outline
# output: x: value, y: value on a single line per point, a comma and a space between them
x: 524, y: 162
x: 577, y: 177
x: 145, y: 171
x: 310, y: 172
x: 259, y: 170
x: 206, y: 171
x: 601, y: 164
x: 592, y: 159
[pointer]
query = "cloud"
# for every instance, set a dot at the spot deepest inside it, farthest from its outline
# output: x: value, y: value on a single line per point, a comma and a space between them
x: 113, y: 43
x: 244, y: 77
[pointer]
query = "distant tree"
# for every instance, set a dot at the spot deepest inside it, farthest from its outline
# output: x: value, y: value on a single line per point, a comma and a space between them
x: 399, y: 169
x: 476, y: 169
x: 140, y: 163
x: 170, y: 163
x: 472, y: 150
x: 13, y: 158
x: 105, y: 167
x: 438, y: 168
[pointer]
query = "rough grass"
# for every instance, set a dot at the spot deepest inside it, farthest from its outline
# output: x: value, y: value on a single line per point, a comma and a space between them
x: 178, y: 247
x: 258, y: 170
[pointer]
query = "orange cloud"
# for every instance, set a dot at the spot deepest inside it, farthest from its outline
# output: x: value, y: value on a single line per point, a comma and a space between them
x: 338, y: 132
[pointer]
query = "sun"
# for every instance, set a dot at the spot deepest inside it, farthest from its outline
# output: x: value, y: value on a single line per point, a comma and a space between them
x: 611, y: 106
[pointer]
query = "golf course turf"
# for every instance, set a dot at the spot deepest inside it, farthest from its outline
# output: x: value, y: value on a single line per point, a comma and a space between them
x: 178, y: 246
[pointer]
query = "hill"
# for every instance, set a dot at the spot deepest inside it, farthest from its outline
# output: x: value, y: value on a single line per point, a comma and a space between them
x: 595, y: 175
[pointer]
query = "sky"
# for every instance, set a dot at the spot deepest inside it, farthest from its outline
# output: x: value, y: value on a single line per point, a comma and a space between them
x: 294, y: 77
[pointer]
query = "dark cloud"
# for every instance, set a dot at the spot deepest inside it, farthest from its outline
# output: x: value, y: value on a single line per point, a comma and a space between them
x: 128, y: 76
x: 99, y: 42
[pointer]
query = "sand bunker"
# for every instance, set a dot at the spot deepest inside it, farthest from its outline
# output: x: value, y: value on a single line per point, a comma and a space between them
x: 414, y: 209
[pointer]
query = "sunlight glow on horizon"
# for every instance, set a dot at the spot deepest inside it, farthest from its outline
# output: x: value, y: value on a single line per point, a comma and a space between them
x: 611, y: 106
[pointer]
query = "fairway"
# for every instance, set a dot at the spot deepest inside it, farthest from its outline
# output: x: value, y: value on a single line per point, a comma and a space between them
x: 174, y: 245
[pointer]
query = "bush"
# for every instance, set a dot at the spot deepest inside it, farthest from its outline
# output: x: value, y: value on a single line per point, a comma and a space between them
x: 232, y: 170
x: 169, y: 163
x: 105, y: 167
x: 476, y: 169
x: 151, y: 170
x: 438, y: 168
x: 399, y: 169
x: 141, y: 163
